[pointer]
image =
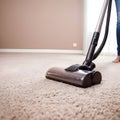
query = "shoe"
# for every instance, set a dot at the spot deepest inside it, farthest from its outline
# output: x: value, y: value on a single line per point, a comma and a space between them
x: 117, y: 59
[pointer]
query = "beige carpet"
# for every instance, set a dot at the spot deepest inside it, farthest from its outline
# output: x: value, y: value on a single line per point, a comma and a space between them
x: 25, y: 93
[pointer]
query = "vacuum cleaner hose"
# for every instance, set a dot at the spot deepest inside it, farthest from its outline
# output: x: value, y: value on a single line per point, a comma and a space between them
x: 106, y: 31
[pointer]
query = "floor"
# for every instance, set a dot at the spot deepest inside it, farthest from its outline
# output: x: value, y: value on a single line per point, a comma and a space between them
x: 25, y: 93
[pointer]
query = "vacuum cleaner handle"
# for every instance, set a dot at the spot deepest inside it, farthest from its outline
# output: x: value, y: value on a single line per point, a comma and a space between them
x: 106, y: 31
x: 102, y: 15
x: 90, y: 55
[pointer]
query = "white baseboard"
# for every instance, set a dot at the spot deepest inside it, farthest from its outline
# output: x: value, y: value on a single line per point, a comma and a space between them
x: 40, y: 51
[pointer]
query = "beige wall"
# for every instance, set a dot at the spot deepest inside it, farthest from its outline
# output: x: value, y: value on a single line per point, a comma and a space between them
x: 41, y: 24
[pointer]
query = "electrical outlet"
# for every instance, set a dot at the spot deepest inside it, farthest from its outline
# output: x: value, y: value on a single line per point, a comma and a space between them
x: 74, y: 44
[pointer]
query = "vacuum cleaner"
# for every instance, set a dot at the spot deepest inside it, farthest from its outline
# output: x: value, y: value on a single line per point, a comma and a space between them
x: 84, y: 75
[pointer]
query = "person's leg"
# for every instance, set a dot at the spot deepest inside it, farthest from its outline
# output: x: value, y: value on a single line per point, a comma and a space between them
x: 117, y: 3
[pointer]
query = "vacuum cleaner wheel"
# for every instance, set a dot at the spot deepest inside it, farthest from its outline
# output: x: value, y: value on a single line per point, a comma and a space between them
x: 97, y: 77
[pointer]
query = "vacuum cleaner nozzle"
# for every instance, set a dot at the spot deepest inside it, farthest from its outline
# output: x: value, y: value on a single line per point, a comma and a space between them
x: 81, y: 78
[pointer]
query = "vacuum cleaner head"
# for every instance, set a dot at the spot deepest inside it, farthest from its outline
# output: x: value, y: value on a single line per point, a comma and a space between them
x: 81, y: 78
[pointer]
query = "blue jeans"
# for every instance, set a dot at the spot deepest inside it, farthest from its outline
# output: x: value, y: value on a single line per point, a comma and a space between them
x: 117, y: 3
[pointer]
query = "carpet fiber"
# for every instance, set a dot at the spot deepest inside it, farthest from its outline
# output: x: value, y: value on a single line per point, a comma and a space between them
x: 25, y: 93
